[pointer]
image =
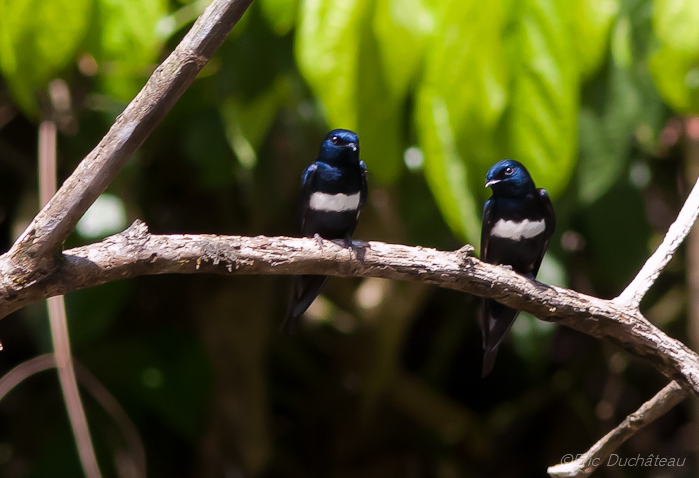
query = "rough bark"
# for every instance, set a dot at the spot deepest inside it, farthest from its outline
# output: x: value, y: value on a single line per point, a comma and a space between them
x: 136, y: 252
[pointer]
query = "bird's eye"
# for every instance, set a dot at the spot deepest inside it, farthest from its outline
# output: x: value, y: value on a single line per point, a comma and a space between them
x: 334, y: 140
x: 508, y: 171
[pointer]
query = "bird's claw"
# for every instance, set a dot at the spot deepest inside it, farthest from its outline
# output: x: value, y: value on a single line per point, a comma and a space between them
x: 465, y: 251
x: 318, y: 239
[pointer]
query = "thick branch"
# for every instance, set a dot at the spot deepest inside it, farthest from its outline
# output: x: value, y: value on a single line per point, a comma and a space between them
x: 35, y: 250
x: 135, y: 252
x: 654, y: 408
x: 634, y: 292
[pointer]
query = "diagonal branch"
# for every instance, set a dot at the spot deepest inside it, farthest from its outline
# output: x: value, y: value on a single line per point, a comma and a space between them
x: 589, y: 461
x: 634, y: 292
x: 135, y: 252
x: 40, y: 243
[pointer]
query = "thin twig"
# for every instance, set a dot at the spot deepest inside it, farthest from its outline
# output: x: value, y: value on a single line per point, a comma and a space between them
x: 98, y: 391
x: 69, y: 386
x: 59, y: 321
x: 25, y: 370
x: 634, y: 292
x: 137, y: 451
x: 39, y: 245
x: 589, y: 461
x: 47, y: 361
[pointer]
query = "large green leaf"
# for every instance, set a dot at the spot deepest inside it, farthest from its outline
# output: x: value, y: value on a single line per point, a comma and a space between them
x: 675, y: 23
x: 466, y: 66
x: 129, y: 43
x: 675, y: 64
x: 339, y: 56
x: 591, y: 22
x: 327, y: 50
x: 445, y: 169
x: 37, y: 40
x: 379, y: 113
x: 460, y: 102
x: 402, y: 28
x: 501, y: 81
x: 541, y: 121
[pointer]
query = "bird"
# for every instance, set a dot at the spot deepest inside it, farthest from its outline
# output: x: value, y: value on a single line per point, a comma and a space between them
x: 518, y: 221
x: 333, y: 192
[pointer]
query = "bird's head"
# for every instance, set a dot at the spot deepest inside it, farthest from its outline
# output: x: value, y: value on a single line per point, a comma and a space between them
x: 509, y: 178
x: 339, y: 146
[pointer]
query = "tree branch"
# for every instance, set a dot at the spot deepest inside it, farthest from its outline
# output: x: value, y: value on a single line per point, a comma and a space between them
x: 589, y: 461
x: 634, y: 292
x: 135, y: 252
x: 41, y: 242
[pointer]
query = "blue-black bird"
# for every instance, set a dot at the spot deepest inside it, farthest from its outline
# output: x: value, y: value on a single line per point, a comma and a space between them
x: 518, y: 221
x: 333, y: 191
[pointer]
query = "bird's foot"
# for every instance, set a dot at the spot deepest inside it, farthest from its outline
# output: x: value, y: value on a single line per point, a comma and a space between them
x: 359, y: 248
x: 465, y: 252
x: 318, y: 239
x: 506, y: 266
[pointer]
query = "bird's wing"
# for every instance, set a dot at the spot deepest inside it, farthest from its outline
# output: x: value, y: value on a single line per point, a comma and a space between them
x: 363, y: 190
x: 307, y: 181
x: 486, y: 228
x: 549, y: 220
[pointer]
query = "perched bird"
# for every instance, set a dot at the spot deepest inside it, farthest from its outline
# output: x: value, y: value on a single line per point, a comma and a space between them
x: 333, y: 191
x: 518, y: 221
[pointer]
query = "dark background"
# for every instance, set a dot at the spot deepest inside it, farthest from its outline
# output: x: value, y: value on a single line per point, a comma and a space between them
x: 383, y: 379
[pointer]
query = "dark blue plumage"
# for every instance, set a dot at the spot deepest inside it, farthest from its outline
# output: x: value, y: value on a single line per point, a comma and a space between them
x: 333, y: 192
x: 518, y: 221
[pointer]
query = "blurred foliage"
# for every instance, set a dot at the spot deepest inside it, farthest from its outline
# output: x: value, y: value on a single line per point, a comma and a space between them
x: 594, y: 96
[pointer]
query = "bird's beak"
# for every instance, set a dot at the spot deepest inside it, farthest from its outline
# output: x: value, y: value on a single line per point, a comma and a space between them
x: 491, y: 183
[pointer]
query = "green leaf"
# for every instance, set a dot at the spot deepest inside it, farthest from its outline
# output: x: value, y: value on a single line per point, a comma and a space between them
x: 402, y: 28
x: 37, y: 40
x: 675, y: 64
x: 541, y: 123
x: 129, y: 44
x: 339, y: 57
x: 445, y: 169
x: 460, y: 103
x: 247, y: 123
x: 675, y: 23
x: 591, y: 22
x: 327, y: 50
x: 499, y: 82
x: 467, y: 68
x: 280, y: 14
x: 605, y: 140
x: 379, y: 114
x: 601, y: 160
